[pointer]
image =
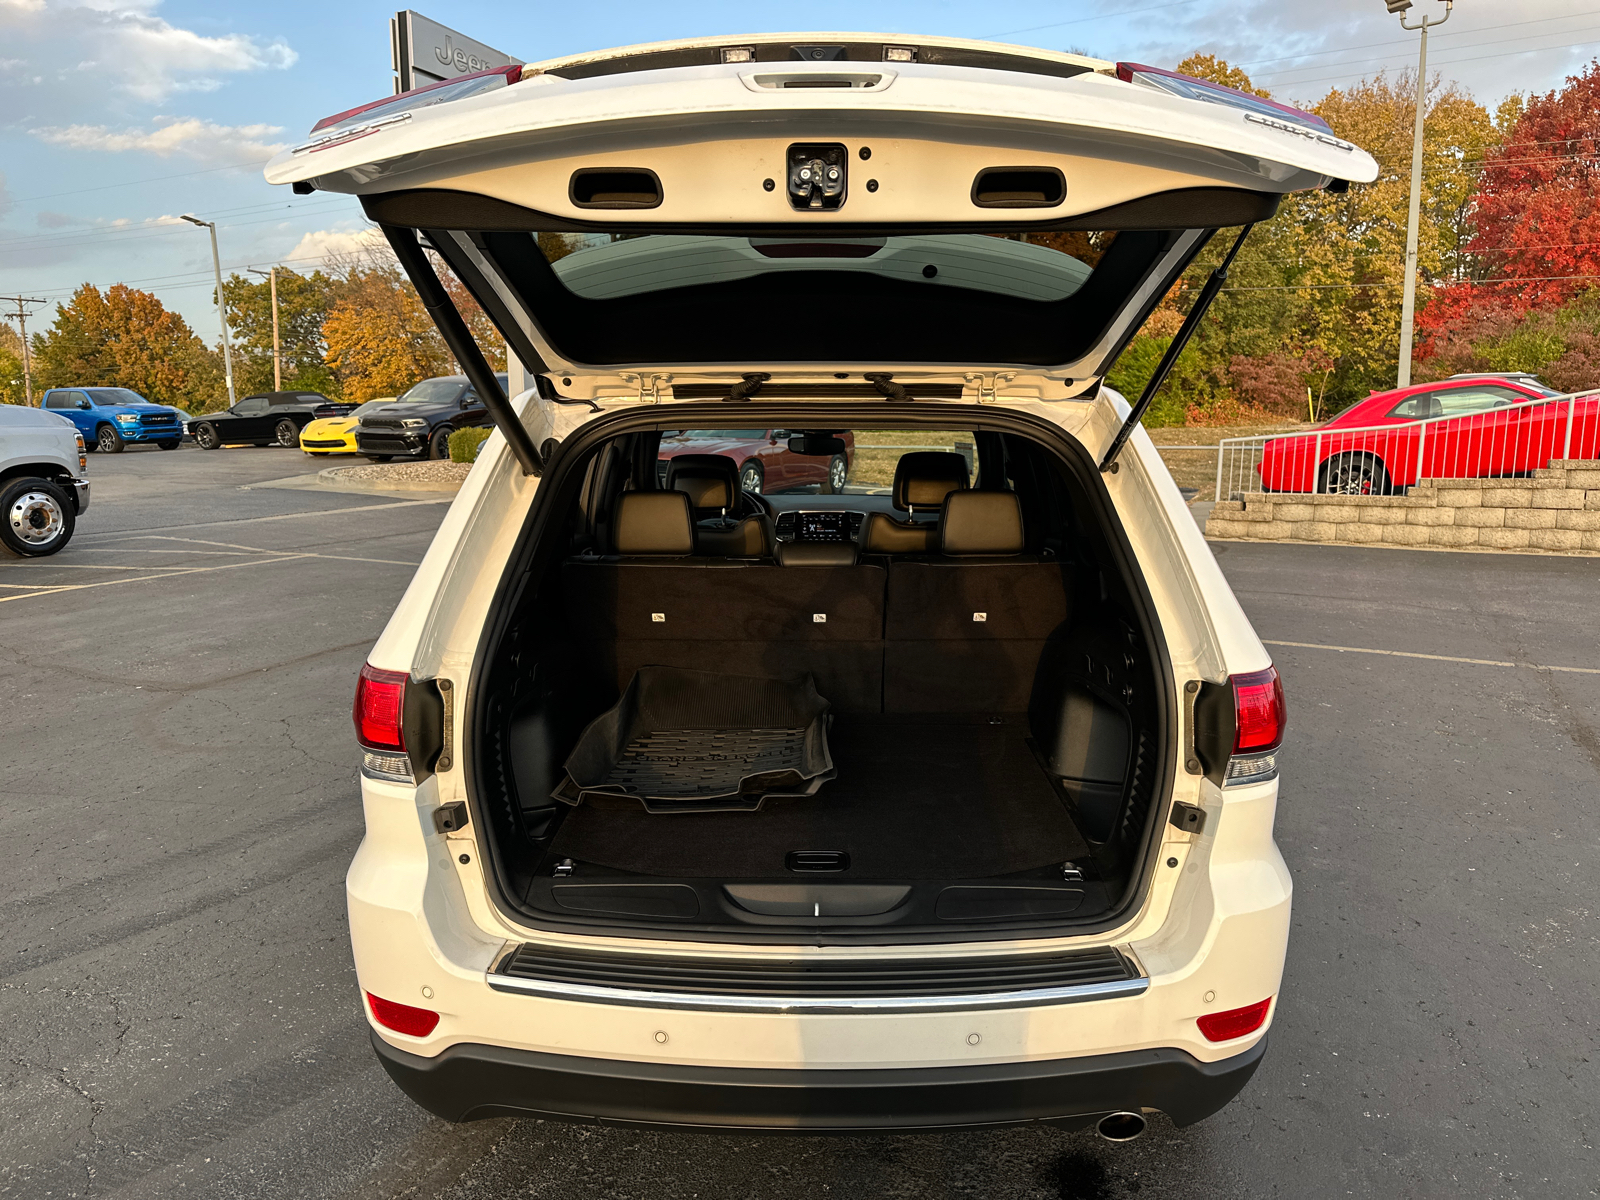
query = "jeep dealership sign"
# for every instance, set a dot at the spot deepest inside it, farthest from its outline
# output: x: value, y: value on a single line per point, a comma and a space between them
x: 427, y: 52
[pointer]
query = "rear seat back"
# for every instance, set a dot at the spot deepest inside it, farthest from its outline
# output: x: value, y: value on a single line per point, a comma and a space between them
x: 965, y: 630
x: 658, y: 605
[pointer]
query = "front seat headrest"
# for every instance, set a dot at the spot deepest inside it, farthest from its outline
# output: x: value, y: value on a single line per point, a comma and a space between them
x: 654, y: 523
x: 980, y: 523
x: 924, y: 478
x: 709, y: 480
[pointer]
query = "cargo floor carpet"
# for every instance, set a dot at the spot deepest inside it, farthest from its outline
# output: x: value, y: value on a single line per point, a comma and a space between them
x: 915, y: 797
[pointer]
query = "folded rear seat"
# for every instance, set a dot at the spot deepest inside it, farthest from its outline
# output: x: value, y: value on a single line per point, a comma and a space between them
x: 655, y: 603
x: 964, y: 631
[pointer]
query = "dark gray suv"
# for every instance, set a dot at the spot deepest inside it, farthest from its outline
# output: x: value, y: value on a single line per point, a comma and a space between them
x: 419, y: 423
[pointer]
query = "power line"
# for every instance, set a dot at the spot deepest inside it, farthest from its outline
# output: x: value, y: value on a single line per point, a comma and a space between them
x: 147, y: 228
x: 1451, y: 62
x: 1595, y: 12
x: 1088, y: 20
x: 135, y: 182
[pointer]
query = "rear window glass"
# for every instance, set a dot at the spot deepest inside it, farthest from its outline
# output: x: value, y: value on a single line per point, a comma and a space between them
x: 774, y: 461
x: 1025, y: 297
x: 1027, y: 266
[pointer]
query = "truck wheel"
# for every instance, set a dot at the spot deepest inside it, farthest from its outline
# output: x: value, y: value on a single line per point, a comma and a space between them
x: 170, y: 443
x: 439, y: 443
x: 286, y: 433
x: 205, y: 436
x: 108, y: 441
x: 36, y: 518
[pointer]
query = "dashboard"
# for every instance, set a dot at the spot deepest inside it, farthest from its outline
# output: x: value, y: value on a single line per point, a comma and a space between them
x: 819, y: 525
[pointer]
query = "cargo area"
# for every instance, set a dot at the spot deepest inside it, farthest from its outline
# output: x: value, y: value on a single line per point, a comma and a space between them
x: 912, y: 698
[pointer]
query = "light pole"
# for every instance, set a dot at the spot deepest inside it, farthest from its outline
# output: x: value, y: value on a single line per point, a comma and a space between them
x: 277, y: 358
x: 1408, y: 303
x: 222, y: 303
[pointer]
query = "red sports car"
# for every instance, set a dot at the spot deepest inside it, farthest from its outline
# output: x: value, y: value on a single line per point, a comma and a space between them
x: 1464, y: 427
x: 766, y: 462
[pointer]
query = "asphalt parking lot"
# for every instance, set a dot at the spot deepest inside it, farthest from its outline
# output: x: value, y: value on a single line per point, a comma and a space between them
x: 179, y: 1013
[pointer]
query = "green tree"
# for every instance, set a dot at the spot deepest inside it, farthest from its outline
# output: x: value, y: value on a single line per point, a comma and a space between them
x: 304, y: 302
x: 123, y: 337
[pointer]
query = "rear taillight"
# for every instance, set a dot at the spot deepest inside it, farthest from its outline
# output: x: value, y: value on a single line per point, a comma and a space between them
x: 1235, y: 1023
x: 413, y: 1022
x: 1259, y: 714
x: 380, y: 708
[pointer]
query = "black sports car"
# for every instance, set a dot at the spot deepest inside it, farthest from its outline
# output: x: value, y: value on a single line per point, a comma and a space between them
x: 265, y: 419
x: 420, y: 422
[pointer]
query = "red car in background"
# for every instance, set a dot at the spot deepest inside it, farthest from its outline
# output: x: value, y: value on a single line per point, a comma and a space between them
x: 1464, y: 427
x: 765, y: 461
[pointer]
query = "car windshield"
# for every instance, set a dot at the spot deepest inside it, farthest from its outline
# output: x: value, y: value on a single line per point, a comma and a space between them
x: 431, y: 391
x: 112, y: 397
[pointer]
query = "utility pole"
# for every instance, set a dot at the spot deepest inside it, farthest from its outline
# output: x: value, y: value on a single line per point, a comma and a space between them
x: 222, y: 303
x: 27, y: 360
x: 277, y: 356
x: 1408, y: 303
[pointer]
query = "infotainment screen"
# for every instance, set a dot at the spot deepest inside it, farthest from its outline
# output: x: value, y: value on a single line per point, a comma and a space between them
x: 824, y: 527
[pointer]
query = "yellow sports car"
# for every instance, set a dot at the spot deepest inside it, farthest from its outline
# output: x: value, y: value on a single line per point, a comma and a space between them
x: 336, y: 435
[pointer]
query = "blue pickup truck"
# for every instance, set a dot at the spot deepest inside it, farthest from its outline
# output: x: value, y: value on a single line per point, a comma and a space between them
x: 111, y: 417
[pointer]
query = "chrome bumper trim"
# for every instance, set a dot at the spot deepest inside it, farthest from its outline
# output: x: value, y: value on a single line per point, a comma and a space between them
x: 701, y: 1002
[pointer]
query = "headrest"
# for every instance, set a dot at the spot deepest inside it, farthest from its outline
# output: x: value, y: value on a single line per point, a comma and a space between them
x: 709, y: 480
x: 884, y: 535
x: 654, y: 523
x: 976, y: 523
x: 816, y: 554
x: 924, y: 478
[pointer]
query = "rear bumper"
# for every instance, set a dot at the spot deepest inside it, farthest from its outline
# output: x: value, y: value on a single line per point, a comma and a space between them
x: 469, y: 1082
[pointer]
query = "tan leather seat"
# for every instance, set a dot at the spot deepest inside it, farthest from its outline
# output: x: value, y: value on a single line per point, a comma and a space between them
x: 653, y: 525
x: 922, y: 480
x: 711, y: 482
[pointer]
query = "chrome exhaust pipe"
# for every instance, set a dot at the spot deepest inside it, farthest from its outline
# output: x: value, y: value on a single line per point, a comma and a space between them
x: 1120, y: 1126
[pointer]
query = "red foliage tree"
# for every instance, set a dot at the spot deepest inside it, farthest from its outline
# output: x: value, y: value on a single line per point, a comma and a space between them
x: 1537, y: 211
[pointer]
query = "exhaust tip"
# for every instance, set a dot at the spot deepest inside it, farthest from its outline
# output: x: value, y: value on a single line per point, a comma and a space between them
x: 1120, y: 1126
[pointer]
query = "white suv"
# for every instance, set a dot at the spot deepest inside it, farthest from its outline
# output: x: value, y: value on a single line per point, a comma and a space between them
x: 939, y: 797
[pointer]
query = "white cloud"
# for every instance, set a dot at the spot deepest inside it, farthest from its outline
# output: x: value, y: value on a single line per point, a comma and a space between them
x: 347, y: 239
x: 123, y: 45
x: 189, y: 136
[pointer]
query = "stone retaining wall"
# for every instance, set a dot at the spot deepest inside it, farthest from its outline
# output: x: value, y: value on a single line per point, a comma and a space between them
x: 1556, y: 509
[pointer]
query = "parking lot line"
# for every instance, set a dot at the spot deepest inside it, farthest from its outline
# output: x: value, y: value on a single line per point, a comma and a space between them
x: 294, y: 516
x: 158, y: 573
x: 1471, y: 662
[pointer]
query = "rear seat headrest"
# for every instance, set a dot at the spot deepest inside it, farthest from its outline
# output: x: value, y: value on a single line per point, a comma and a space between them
x: 978, y: 523
x: 923, y: 478
x: 654, y: 523
x: 709, y: 480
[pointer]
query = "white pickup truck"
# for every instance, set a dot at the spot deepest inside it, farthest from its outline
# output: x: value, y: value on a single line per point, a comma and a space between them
x: 42, y: 488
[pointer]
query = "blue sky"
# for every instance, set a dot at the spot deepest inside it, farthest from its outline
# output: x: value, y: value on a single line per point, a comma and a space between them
x: 117, y: 115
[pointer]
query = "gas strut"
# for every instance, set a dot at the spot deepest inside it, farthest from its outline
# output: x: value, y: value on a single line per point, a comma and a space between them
x: 1170, y: 358
x: 461, y: 344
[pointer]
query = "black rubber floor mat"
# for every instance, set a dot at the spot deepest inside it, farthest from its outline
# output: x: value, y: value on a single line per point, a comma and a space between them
x: 914, y: 797
x: 694, y: 741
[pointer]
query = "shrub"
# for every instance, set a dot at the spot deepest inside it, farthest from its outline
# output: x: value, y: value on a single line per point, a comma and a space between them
x: 465, y: 444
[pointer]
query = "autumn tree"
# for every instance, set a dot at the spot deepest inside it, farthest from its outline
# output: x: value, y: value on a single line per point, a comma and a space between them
x: 12, y: 389
x: 123, y: 337
x: 1217, y: 70
x: 380, y: 340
